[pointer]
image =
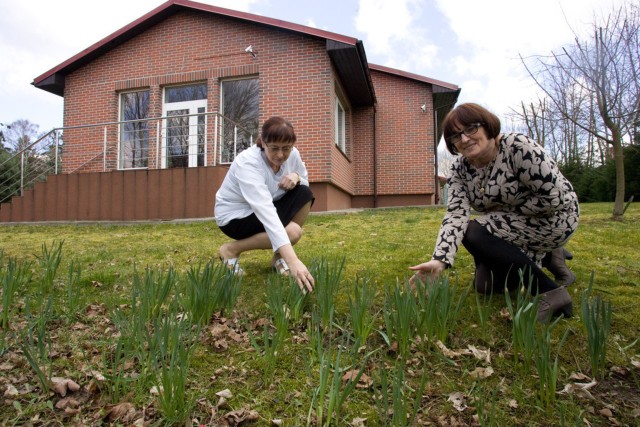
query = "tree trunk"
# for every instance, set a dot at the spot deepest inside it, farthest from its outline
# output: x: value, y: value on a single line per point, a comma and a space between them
x: 618, y: 205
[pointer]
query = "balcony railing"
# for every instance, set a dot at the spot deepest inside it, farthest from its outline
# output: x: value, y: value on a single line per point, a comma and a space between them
x: 191, y: 140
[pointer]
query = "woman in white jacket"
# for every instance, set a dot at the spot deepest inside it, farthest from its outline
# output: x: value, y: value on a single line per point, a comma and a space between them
x: 264, y: 201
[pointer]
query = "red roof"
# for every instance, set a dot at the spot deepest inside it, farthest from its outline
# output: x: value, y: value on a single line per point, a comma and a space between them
x: 346, y: 53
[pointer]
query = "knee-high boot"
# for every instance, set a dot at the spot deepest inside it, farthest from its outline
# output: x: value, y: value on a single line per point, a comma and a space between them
x: 554, y: 261
x: 554, y: 303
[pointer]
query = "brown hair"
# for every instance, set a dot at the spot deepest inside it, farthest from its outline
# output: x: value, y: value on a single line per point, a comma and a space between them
x: 464, y: 115
x: 276, y: 129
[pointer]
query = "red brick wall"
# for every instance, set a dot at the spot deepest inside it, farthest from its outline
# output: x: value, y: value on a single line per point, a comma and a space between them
x: 404, y: 134
x: 296, y: 81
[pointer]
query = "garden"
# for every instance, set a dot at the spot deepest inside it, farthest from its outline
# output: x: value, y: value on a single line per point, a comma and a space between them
x: 140, y: 324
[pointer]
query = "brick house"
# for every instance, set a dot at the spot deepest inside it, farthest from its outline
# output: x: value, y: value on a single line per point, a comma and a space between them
x: 155, y: 112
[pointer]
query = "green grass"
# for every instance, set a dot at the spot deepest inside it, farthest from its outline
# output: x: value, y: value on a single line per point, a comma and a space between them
x: 380, y: 244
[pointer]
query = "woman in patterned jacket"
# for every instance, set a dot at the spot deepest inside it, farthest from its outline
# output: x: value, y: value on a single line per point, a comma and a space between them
x: 527, y: 211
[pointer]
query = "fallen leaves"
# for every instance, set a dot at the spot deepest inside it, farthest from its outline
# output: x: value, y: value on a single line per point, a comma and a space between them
x: 579, y: 389
x: 62, y: 386
x: 480, y: 373
x: 364, y: 382
x: 124, y: 412
x: 239, y: 416
x: 458, y: 400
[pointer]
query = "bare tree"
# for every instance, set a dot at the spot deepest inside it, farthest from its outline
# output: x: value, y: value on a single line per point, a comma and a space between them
x: 20, y: 134
x: 593, y: 84
x: 445, y: 160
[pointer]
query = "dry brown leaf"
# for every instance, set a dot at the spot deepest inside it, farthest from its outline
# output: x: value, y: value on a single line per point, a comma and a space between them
x: 358, y: 422
x: 606, y: 412
x: 233, y: 335
x: 78, y: 326
x: 239, y: 416
x: 620, y: 370
x: 124, y: 412
x: 482, y: 355
x: 217, y: 330
x: 635, y: 363
x: 226, y: 393
x: 578, y: 376
x: 221, y: 345
x: 97, y: 375
x: 6, y: 366
x: 364, y: 382
x: 276, y: 422
x: 222, y: 403
x: 94, y: 310
x: 579, y: 389
x: 63, y: 385
x: 458, y: 400
x: 260, y: 323
x: 67, y: 402
x: 504, y: 313
x: 450, y: 353
x: 482, y: 372
x: 11, y: 390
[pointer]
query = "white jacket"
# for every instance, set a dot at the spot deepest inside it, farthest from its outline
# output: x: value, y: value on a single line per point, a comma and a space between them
x: 251, y: 186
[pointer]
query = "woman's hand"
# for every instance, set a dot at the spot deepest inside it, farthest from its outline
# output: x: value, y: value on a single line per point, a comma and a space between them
x: 301, y: 275
x: 432, y: 269
x: 297, y: 269
x: 289, y: 181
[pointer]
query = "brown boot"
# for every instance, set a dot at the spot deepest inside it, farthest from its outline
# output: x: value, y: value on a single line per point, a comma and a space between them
x: 554, y: 261
x: 555, y: 303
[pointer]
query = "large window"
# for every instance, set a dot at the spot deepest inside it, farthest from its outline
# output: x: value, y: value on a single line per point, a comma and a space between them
x: 240, y: 110
x: 134, y: 131
x: 340, y: 137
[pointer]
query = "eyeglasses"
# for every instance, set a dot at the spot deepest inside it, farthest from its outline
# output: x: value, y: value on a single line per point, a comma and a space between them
x: 274, y: 149
x: 472, y: 129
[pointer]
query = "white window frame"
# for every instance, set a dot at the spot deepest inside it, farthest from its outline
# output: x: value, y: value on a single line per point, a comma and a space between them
x: 121, y: 165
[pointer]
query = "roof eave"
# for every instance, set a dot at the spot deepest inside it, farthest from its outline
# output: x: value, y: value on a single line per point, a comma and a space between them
x: 54, y: 80
x: 352, y: 69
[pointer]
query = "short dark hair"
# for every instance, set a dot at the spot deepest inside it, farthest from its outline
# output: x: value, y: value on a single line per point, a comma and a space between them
x: 276, y: 129
x: 464, y: 115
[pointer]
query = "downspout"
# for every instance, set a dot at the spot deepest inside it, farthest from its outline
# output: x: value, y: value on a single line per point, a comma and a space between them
x: 435, y: 154
x: 375, y: 161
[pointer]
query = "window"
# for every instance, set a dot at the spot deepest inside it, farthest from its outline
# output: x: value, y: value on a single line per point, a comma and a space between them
x: 134, y: 131
x: 186, y: 93
x: 340, y: 137
x: 240, y: 122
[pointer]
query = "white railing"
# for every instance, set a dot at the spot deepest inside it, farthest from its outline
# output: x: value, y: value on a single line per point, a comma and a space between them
x: 190, y: 140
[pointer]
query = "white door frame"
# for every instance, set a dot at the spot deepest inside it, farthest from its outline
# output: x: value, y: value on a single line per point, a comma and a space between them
x: 192, y: 108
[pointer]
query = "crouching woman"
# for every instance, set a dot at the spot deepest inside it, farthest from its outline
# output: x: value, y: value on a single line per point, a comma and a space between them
x: 264, y: 201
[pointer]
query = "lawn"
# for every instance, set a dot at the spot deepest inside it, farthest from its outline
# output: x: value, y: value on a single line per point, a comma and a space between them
x: 105, y: 324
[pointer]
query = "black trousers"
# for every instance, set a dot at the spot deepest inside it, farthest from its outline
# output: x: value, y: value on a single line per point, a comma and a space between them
x: 287, y: 207
x: 499, y: 263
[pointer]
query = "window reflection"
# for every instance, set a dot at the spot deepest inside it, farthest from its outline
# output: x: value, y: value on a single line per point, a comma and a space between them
x: 134, y: 134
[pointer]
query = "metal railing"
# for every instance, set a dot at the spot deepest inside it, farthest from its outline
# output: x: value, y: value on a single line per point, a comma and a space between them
x: 189, y: 140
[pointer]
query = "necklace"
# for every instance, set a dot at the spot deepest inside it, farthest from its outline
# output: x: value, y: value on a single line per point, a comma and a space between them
x: 486, y: 174
x: 488, y: 169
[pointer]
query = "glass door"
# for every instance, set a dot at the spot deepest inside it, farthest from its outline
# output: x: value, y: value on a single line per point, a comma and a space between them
x: 185, y: 126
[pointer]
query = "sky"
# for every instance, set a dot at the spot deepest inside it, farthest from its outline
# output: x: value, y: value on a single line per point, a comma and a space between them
x: 475, y: 44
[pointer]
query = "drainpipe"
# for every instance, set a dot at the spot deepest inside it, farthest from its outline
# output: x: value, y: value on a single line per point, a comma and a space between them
x: 375, y: 161
x: 435, y: 151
